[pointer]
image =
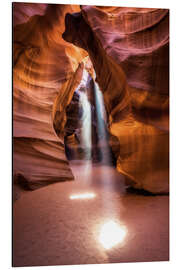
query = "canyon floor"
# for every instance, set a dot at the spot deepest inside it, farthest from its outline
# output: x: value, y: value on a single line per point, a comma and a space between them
x: 53, y: 228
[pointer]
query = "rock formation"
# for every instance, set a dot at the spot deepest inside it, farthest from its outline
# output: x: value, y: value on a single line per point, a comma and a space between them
x: 129, y: 51
x: 46, y: 72
x: 128, y: 48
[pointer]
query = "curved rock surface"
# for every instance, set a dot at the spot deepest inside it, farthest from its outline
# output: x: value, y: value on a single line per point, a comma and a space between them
x: 46, y: 72
x: 129, y: 51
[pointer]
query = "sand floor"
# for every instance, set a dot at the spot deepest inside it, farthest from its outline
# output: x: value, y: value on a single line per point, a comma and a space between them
x: 52, y: 229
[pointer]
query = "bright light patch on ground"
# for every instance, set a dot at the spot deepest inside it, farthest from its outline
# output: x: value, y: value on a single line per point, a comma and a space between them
x: 112, y: 234
x: 82, y: 196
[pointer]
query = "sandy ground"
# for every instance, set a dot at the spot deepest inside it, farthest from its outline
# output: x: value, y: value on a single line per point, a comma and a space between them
x: 51, y: 229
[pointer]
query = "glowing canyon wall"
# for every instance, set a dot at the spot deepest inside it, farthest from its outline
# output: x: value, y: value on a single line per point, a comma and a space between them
x: 129, y: 51
x: 46, y: 71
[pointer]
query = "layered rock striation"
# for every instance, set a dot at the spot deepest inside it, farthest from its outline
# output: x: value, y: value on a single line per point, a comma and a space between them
x: 46, y: 71
x: 129, y: 50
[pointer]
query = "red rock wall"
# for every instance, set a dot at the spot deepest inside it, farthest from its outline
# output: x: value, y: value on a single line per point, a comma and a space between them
x: 45, y: 74
x: 129, y: 50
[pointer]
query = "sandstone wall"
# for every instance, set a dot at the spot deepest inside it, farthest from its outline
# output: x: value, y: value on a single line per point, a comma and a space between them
x: 129, y: 51
x: 46, y: 71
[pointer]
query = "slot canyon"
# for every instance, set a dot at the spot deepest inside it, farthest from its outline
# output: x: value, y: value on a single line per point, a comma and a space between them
x: 90, y: 134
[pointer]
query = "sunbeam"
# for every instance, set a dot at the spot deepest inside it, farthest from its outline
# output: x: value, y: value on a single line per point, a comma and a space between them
x: 86, y: 116
x: 101, y: 126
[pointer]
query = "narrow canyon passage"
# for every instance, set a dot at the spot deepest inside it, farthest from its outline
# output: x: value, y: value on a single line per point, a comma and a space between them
x: 91, y: 134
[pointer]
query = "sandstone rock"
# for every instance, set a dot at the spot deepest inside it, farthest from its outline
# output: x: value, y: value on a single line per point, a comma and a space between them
x: 46, y: 72
x: 129, y: 51
x: 128, y: 48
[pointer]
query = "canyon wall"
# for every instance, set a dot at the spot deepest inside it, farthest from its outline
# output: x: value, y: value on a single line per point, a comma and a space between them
x: 46, y: 71
x: 129, y: 49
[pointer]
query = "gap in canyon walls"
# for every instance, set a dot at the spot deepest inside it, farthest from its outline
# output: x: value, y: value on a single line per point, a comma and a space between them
x: 86, y: 134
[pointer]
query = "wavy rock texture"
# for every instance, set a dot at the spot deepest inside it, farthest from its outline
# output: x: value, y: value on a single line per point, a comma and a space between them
x: 45, y: 74
x: 129, y: 51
